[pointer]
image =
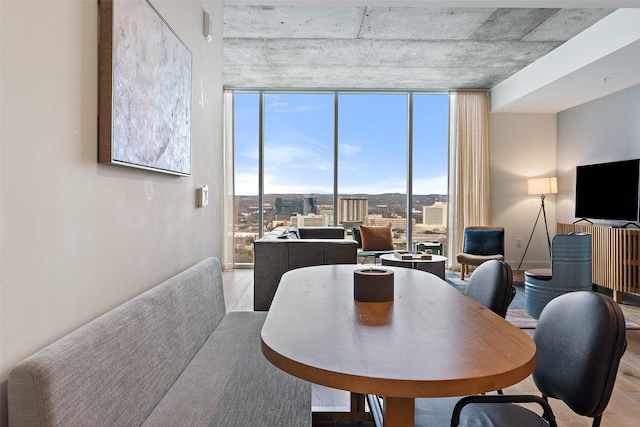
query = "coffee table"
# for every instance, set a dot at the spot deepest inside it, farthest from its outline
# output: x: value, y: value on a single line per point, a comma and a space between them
x: 431, y: 341
x: 435, y: 265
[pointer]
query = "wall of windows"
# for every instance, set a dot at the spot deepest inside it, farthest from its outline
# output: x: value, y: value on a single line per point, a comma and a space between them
x: 340, y: 158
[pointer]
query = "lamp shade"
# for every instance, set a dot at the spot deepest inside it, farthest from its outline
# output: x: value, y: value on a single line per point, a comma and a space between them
x: 548, y: 185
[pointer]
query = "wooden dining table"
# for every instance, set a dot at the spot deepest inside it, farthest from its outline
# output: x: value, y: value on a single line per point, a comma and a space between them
x: 431, y: 340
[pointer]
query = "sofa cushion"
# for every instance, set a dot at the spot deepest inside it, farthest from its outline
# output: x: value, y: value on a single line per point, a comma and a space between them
x: 376, y: 238
x: 321, y: 232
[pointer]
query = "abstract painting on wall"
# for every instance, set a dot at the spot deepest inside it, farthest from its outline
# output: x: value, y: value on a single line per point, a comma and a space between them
x: 144, y: 90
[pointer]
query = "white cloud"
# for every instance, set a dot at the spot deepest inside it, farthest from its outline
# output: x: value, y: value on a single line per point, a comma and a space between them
x: 273, y: 184
x: 283, y: 107
x: 246, y: 183
x: 430, y: 185
x: 349, y: 149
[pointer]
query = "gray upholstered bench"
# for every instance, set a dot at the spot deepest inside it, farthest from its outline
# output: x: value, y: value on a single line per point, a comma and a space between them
x: 172, y: 356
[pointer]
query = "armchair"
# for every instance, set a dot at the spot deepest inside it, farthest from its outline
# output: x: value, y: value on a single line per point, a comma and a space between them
x: 481, y: 243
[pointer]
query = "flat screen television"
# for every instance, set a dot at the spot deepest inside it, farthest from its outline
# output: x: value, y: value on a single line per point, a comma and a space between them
x: 608, y: 191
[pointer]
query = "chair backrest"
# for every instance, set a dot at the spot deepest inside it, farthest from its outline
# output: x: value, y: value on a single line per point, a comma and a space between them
x: 491, y: 284
x: 355, y: 233
x: 580, y: 338
x: 571, y: 261
x: 484, y: 240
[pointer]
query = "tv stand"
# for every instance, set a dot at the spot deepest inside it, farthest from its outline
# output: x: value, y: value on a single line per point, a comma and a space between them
x: 615, y: 256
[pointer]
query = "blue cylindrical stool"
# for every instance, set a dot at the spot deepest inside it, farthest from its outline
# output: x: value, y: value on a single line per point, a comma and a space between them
x: 537, y: 292
x: 571, y: 271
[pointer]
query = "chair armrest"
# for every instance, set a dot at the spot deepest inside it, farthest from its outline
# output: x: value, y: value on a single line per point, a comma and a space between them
x: 547, y: 414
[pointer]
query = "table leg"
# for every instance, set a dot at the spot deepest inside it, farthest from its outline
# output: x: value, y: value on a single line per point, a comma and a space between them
x: 357, y: 402
x: 399, y: 411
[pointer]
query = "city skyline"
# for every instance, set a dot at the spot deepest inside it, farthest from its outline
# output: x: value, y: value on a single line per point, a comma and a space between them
x: 372, y: 143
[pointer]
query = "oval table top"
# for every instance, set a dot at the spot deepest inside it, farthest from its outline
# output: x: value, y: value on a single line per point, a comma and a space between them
x: 431, y: 341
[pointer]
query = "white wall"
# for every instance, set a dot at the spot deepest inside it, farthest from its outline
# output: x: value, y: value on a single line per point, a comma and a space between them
x: 78, y: 238
x: 522, y: 146
x: 604, y: 130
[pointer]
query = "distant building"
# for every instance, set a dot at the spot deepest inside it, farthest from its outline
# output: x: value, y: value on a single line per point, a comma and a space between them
x: 328, y: 214
x: 310, y: 220
x: 435, y: 215
x: 352, y: 209
x: 398, y: 223
x: 304, y: 205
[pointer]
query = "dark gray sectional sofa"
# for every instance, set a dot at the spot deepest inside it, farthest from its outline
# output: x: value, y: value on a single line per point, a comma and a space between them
x: 286, y: 248
x: 172, y: 356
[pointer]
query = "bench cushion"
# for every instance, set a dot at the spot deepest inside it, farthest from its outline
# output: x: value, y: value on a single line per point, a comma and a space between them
x: 230, y: 383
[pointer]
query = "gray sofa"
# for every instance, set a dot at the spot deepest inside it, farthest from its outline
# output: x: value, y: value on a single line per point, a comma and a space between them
x: 286, y: 248
x: 172, y: 356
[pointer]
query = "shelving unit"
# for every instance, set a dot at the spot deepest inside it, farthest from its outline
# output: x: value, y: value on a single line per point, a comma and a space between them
x: 615, y: 256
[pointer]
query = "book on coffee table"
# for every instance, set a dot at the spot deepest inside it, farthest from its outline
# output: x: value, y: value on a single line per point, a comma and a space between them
x: 405, y: 255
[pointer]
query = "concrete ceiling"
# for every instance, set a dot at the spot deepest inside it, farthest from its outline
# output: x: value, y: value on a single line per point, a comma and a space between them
x: 535, y: 55
x: 390, y: 47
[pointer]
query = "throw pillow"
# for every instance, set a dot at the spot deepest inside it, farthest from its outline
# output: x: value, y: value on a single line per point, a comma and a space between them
x: 376, y: 238
x: 293, y: 233
x: 483, y: 242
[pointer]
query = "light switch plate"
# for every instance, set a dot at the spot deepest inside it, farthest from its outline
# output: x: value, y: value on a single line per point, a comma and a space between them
x: 203, y: 196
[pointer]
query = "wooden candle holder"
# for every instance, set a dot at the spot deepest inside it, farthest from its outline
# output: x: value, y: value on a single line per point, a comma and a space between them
x: 373, y: 285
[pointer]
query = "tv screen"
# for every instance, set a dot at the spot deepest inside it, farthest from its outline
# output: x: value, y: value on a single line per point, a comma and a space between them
x: 608, y: 191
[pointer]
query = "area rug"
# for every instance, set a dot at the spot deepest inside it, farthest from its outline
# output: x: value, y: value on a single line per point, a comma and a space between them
x: 517, y: 317
x: 515, y: 314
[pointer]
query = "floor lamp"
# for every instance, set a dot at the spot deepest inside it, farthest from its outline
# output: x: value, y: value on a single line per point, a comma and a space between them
x: 541, y: 186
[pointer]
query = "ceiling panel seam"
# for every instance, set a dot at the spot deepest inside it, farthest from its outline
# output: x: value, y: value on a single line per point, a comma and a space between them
x: 364, y: 14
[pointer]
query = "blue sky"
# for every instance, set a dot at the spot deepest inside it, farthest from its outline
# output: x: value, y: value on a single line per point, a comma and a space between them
x: 372, y: 143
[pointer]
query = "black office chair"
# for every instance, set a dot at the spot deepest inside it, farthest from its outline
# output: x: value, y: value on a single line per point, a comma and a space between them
x: 491, y: 284
x: 580, y: 339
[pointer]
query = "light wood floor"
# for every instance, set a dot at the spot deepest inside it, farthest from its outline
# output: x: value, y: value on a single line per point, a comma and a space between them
x: 623, y: 409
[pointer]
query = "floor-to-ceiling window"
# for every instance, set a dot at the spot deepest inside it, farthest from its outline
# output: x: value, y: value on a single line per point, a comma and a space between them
x: 246, y: 144
x: 340, y: 158
x: 372, y: 161
x: 430, y: 168
x: 298, y: 159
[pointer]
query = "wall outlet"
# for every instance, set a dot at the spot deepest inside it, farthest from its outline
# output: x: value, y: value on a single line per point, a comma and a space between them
x: 518, y: 242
